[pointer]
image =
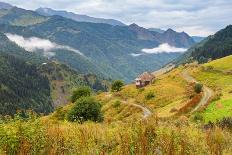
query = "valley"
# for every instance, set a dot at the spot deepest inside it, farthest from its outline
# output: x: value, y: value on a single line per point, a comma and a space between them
x: 78, y: 84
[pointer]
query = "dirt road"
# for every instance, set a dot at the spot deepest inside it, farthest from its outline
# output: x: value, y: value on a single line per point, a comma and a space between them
x: 146, y: 111
x: 207, y: 92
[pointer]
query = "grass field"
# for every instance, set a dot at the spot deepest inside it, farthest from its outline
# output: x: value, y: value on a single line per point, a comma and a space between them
x: 217, y: 76
x: 217, y: 110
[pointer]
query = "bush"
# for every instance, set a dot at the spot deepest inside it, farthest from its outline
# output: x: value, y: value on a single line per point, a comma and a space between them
x: 117, y: 86
x: 149, y: 95
x: 116, y: 104
x: 198, y: 117
x: 198, y: 88
x: 80, y: 92
x: 85, y: 108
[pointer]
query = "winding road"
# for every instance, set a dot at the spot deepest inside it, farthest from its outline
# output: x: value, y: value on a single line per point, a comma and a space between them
x: 146, y: 111
x: 207, y: 92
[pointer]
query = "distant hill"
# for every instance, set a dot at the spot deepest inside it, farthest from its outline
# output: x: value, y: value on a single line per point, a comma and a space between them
x: 77, y: 17
x: 212, y: 47
x: 169, y: 36
x: 20, y: 17
x: 5, y: 5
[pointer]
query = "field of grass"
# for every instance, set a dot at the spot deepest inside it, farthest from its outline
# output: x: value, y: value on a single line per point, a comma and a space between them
x: 218, y: 110
x: 217, y: 76
x: 169, y: 92
x: 46, y: 136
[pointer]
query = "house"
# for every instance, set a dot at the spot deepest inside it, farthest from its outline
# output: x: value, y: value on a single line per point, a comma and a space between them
x: 144, y: 79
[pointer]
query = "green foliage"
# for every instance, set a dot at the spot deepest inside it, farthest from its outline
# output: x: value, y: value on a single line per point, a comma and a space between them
x: 149, y: 95
x: 198, y: 88
x: 213, y: 47
x: 85, y: 108
x: 116, y: 104
x: 22, y: 87
x: 117, y: 85
x: 80, y: 92
x: 198, y: 117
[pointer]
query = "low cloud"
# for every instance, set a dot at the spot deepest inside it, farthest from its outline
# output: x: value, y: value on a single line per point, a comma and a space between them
x: 136, y: 54
x: 34, y: 44
x: 163, y: 48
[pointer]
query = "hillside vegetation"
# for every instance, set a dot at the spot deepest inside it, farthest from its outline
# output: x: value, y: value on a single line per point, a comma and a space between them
x: 22, y: 87
x: 63, y: 80
x: 217, y: 75
x: 213, y: 47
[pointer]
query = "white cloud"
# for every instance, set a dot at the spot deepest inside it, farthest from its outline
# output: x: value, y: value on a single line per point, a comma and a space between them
x: 136, y: 54
x: 34, y: 44
x: 163, y: 48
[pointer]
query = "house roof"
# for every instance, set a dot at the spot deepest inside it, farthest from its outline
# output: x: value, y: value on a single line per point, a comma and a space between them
x: 146, y: 76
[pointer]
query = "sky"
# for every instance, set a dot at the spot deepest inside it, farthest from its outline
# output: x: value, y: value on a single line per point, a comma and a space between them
x: 196, y: 17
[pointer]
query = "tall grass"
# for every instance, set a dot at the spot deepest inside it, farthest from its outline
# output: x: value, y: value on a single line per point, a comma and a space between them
x: 36, y: 136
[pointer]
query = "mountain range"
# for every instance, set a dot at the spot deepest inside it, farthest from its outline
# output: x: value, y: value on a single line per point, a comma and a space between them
x: 109, y: 51
x: 77, y: 17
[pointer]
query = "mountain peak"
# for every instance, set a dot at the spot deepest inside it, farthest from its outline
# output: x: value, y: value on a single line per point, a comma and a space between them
x: 170, y: 31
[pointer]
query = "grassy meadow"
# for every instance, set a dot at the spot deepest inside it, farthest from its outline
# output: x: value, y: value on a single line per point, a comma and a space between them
x: 218, y: 76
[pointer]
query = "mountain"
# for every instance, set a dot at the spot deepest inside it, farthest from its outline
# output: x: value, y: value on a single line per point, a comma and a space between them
x: 197, y: 39
x: 22, y: 87
x: 30, y: 81
x: 213, y: 47
x: 170, y: 36
x: 20, y: 17
x: 156, y: 30
x: 176, y: 39
x: 63, y: 80
x: 114, y: 52
x: 77, y: 17
x: 5, y: 5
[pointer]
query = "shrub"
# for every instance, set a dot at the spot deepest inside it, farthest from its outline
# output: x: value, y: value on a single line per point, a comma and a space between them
x: 198, y: 117
x: 85, y: 108
x: 149, y: 95
x: 80, y: 92
x: 117, y: 86
x: 198, y: 88
x: 116, y: 104
x: 59, y: 114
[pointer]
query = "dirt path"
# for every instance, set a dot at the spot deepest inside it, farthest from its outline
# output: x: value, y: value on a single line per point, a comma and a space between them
x: 146, y: 111
x: 207, y: 92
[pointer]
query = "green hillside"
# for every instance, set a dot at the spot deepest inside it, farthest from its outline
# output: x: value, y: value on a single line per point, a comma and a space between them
x: 64, y: 80
x: 217, y: 75
x: 22, y: 87
x: 213, y: 47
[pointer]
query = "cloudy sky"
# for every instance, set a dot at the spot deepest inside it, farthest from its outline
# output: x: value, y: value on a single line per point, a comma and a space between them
x: 196, y: 17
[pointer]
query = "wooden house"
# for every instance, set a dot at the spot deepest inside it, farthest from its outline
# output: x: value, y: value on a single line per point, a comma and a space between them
x: 144, y: 79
